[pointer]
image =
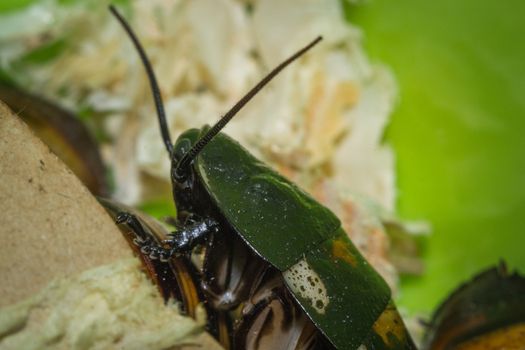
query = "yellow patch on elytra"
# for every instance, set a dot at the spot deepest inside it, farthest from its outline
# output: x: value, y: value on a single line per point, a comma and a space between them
x: 390, y: 323
x: 340, y: 251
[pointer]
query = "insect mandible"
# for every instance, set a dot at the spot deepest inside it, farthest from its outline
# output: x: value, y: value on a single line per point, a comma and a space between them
x: 219, y: 188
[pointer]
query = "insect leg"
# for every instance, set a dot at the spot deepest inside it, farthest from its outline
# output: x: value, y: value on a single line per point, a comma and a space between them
x: 142, y: 237
x: 148, y: 245
x: 190, y: 235
x: 179, y: 242
x: 273, y: 320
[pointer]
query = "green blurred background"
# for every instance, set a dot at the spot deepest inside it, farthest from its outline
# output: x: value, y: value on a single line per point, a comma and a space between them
x: 458, y: 131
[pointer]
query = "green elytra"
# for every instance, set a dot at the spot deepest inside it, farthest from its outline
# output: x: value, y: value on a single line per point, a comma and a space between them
x: 284, y: 226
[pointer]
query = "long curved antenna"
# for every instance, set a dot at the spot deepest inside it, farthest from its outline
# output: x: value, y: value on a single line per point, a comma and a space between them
x: 152, y: 80
x: 203, y: 141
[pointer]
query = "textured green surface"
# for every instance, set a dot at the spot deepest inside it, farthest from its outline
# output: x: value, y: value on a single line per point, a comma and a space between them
x: 280, y: 221
x: 339, y: 290
x: 357, y: 295
x: 458, y: 131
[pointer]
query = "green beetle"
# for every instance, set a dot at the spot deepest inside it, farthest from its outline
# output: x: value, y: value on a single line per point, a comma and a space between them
x: 221, y: 189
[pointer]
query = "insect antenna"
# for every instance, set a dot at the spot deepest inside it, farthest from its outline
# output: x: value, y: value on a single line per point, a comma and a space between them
x: 152, y: 80
x: 189, y: 156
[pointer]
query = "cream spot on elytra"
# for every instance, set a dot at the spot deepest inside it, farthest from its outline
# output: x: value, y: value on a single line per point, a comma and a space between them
x: 304, y: 281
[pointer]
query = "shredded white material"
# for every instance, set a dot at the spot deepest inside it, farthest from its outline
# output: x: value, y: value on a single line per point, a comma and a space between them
x: 109, y: 307
x: 328, y: 110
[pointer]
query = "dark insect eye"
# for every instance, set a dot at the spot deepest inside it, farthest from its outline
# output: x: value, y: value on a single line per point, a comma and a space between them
x: 180, y: 174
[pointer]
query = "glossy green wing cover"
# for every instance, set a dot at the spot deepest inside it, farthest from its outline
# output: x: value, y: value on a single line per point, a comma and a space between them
x: 342, y: 294
x: 276, y: 218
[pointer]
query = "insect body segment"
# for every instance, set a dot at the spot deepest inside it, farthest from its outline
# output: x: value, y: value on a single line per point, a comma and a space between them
x: 256, y: 224
x: 278, y: 220
x: 337, y: 288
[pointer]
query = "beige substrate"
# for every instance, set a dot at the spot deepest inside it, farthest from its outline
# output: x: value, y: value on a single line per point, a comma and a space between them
x: 67, y: 276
